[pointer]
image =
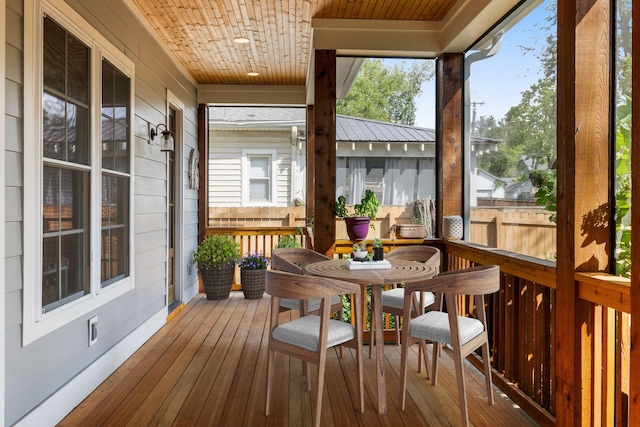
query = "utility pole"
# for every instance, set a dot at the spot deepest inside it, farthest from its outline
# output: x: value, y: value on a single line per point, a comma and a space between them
x: 473, y: 116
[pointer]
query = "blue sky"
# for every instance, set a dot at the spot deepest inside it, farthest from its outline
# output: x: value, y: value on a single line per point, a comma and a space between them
x: 500, y: 80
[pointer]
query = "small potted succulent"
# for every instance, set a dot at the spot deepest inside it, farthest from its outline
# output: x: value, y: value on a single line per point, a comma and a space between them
x: 360, y: 251
x: 216, y: 259
x: 252, y: 272
x: 378, y: 249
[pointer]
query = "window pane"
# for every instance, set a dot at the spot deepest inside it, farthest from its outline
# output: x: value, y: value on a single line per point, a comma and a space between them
x: 50, y: 200
x: 115, y: 119
x: 77, y: 134
x: 74, y: 187
x: 115, y: 234
x: 107, y: 89
x: 53, y: 132
x: 121, y: 96
x: 259, y: 191
x: 260, y: 167
x: 64, y: 273
x: 54, y: 56
x: 77, y: 70
x: 107, y: 143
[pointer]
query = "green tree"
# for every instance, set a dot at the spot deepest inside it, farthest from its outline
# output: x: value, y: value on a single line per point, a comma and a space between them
x: 386, y: 93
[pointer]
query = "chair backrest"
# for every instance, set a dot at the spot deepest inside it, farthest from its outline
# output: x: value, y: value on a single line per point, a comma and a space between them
x: 426, y: 254
x: 480, y: 280
x: 282, y: 284
x: 292, y: 260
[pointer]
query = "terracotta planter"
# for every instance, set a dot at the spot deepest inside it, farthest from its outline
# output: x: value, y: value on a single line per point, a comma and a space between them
x: 217, y: 280
x: 252, y: 283
x: 357, y: 227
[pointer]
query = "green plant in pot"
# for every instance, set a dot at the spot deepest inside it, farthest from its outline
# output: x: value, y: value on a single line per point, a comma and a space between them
x: 216, y: 259
x: 363, y: 214
x: 378, y: 249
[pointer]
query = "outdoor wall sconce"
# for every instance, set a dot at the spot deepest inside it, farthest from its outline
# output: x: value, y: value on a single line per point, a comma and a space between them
x: 167, y: 137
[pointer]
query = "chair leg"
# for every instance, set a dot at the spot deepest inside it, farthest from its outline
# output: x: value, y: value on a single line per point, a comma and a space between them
x: 422, y: 352
x: 306, y: 370
x: 267, y: 405
x: 487, y: 371
x: 437, y: 352
x: 403, y: 367
x: 396, y: 319
x: 318, y: 405
x: 462, y: 395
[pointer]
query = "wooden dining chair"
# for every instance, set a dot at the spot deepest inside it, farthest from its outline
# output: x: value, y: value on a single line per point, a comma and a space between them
x: 293, y: 260
x: 393, y: 299
x: 464, y: 334
x: 308, y: 337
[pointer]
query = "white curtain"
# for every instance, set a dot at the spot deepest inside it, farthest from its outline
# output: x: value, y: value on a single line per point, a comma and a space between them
x: 398, y: 184
x: 427, y: 178
x: 357, y: 179
x: 341, y: 176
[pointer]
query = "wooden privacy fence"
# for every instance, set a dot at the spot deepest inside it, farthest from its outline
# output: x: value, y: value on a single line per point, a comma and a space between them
x: 522, y: 230
x: 521, y: 318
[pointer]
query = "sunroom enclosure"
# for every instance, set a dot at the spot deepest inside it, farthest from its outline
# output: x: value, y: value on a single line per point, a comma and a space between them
x: 573, y: 366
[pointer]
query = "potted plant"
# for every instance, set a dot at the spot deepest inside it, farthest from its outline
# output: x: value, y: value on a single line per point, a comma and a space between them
x: 363, y: 214
x: 252, y: 272
x: 360, y: 251
x: 215, y: 258
x: 378, y: 249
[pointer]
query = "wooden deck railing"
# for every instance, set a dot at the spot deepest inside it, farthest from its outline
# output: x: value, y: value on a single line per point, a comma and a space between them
x: 522, y: 327
x: 522, y: 324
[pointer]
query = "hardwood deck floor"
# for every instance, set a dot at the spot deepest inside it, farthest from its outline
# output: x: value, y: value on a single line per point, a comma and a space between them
x: 206, y: 367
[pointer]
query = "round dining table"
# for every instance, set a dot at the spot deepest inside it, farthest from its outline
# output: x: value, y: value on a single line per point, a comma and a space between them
x: 400, y: 271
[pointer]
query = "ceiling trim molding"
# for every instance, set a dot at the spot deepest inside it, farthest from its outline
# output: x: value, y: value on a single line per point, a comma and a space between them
x: 281, y: 95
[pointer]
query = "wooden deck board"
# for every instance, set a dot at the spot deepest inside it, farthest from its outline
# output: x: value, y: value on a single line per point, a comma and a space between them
x: 207, y: 367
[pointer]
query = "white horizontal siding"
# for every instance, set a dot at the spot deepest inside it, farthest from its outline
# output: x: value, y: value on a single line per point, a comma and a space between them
x: 225, y: 164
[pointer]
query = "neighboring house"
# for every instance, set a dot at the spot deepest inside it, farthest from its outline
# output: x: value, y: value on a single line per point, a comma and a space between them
x: 396, y: 161
x: 489, y: 186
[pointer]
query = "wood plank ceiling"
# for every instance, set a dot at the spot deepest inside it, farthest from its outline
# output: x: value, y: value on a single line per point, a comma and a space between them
x: 200, y: 33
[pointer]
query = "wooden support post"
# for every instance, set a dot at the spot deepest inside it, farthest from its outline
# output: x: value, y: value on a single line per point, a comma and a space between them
x: 311, y: 163
x: 449, y: 139
x: 582, y: 194
x: 325, y: 150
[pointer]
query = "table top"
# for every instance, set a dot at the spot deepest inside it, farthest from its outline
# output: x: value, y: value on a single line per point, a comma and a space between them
x: 400, y: 271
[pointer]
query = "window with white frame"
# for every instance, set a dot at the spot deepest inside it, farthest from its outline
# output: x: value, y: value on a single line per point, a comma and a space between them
x: 258, y: 179
x: 82, y: 186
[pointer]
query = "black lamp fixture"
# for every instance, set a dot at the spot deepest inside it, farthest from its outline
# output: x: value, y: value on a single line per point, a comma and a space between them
x: 167, y: 137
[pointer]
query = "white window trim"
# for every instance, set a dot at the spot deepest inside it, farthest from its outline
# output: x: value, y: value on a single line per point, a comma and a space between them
x: 35, y: 323
x: 246, y: 176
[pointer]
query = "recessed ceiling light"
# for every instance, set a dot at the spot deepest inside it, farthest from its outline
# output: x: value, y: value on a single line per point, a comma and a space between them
x: 241, y: 40
x: 253, y: 74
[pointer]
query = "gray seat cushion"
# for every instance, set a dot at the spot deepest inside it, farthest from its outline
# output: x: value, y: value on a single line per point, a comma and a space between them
x: 434, y: 326
x: 314, y: 304
x: 395, y: 298
x: 305, y: 332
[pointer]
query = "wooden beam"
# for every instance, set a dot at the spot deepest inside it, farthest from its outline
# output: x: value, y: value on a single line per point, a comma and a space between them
x: 449, y: 136
x: 311, y: 163
x: 325, y: 150
x: 634, y: 382
x: 582, y: 193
